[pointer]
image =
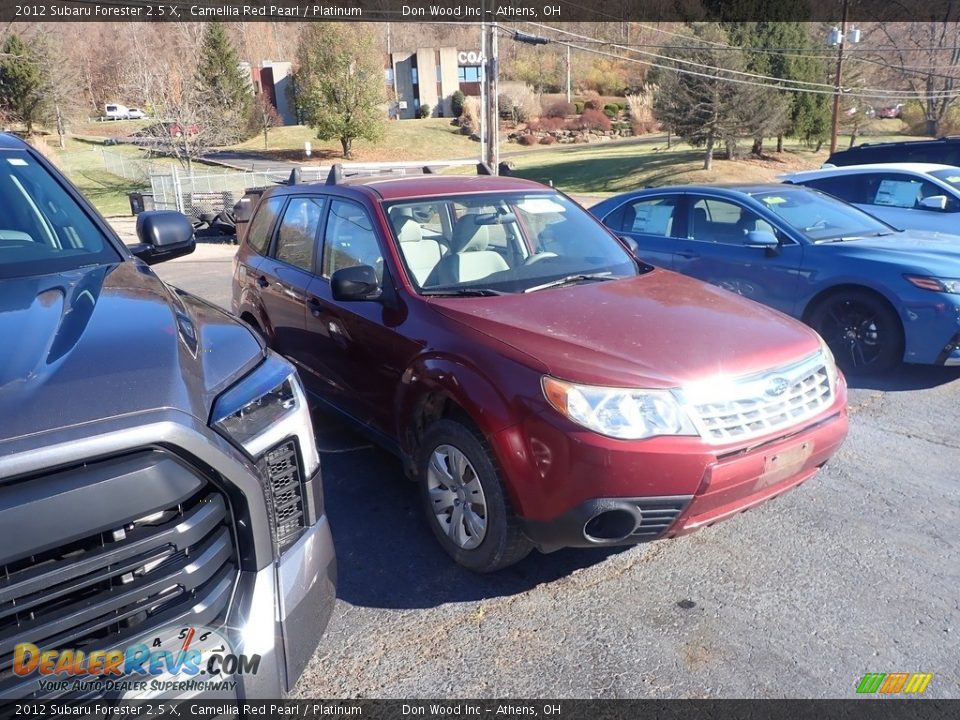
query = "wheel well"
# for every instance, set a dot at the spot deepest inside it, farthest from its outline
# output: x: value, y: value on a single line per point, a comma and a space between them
x: 431, y: 407
x: 841, y: 289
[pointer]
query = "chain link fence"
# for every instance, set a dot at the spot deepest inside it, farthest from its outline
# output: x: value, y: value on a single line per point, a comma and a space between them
x: 194, y: 195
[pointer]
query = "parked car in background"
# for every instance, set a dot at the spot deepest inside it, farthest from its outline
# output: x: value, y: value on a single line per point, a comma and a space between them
x: 542, y: 386
x: 136, y: 114
x: 944, y: 151
x: 876, y: 294
x: 159, y: 476
x: 115, y: 111
x: 912, y: 196
x: 891, y: 112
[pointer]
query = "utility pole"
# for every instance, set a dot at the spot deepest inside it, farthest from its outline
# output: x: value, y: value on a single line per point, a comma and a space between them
x: 838, y: 88
x: 491, y: 106
x: 568, y: 73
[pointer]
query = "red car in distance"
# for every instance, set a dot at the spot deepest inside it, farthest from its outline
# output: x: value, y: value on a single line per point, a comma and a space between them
x: 544, y: 387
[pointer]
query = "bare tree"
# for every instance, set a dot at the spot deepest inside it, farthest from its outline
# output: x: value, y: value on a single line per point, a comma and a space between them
x: 926, y: 60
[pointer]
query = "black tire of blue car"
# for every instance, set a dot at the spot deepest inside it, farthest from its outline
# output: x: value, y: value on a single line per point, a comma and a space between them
x: 471, y: 506
x: 863, y: 331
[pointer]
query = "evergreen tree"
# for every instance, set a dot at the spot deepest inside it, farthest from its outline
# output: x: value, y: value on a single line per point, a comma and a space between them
x: 24, y: 84
x: 223, y: 86
x: 339, y: 81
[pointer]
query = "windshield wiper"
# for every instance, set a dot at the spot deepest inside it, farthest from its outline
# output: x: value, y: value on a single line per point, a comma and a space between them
x: 572, y: 280
x: 462, y: 292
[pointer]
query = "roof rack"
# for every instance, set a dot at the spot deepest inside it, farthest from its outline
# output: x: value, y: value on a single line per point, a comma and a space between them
x: 342, y: 172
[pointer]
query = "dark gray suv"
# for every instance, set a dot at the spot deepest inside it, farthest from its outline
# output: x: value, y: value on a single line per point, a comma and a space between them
x: 161, y: 507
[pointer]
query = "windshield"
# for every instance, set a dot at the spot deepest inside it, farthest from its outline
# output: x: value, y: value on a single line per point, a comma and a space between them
x: 819, y: 216
x: 503, y: 242
x: 42, y: 229
x: 950, y: 176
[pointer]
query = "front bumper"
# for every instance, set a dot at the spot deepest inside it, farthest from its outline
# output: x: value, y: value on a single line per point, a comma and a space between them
x: 584, y: 490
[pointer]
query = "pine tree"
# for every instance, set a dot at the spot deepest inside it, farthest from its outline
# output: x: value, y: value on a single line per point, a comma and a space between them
x: 23, y: 84
x: 223, y: 86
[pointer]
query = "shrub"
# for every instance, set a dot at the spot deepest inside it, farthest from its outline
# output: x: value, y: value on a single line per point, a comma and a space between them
x: 470, y: 118
x: 527, y: 139
x: 547, y: 124
x: 424, y: 111
x: 578, y: 106
x: 519, y: 101
x: 591, y: 104
x: 547, y: 140
x: 593, y: 119
x: 560, y: 109
x: 610, y: 110
x: 456, y: 103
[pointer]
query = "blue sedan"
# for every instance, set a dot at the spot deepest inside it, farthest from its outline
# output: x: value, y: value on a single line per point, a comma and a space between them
x: 876, y: 294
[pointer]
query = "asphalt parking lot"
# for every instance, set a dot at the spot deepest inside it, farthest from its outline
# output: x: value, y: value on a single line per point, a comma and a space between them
x: 856, y: 571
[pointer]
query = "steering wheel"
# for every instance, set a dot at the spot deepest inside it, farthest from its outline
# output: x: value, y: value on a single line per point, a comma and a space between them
x: 537, y: 257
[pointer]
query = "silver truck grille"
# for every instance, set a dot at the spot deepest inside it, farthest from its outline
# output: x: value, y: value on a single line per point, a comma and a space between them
x: 760, y: 404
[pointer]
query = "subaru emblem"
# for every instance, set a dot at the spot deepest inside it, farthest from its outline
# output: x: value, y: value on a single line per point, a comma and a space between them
x: 778, y: 386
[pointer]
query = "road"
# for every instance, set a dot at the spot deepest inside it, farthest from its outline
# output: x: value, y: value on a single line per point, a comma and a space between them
x: 856, y: 571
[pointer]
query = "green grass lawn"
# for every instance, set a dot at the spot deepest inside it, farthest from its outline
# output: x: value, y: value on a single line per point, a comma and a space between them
x: 428, y: 139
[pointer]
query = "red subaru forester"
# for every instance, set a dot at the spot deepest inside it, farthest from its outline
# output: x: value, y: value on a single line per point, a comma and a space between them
x: 544, y: 387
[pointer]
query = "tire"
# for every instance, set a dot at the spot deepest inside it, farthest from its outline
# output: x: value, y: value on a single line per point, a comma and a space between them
x: 862, y: 330
x: 488, y: 537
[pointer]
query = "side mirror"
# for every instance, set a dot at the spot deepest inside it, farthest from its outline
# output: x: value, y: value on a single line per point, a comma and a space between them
x: 632, y: 245
x: 355, y: 283
x: 164, y: 235
x: 763, y: 240
x: 243, y: 210
x: 934, y: 202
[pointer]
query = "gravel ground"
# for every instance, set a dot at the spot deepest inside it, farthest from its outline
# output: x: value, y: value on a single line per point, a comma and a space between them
x: 856, y: 571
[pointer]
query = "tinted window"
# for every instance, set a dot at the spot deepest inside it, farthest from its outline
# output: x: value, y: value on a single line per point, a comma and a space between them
x: 297, y: 234
x: 350, y: 240
x: 845, y: 187
x: 819, y: 216
x: 261, y: 227
x: 649, y: 217
x: 723, y: 221
x: 42, y: 229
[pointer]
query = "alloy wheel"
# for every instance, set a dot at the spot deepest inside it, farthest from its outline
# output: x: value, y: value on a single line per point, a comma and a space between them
x: 854, y: 332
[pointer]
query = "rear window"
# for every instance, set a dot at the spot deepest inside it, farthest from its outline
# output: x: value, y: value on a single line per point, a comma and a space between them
x: 261, y: 227
x: 42, y: 228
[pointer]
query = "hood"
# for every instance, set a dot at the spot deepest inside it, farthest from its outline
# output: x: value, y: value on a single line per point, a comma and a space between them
x: 111, y: 340
x: 656, y: 330
x: 939, y: 253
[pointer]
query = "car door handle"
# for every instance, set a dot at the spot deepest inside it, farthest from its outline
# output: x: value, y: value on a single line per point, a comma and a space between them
x: 262, y: 281
x: 688, y: 255
x: 316, y: 307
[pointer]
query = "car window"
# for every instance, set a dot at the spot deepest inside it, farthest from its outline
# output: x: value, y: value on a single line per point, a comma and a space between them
x: 503, y: 241
x: 297, y: 234
x: 818, y: 216
x: 350, y: 240
x: 655, y: 216
x: 261, y: 227
x: 722, y: 221
x: 42, y: 228
x: 845, y: 187
x: 898, y: 190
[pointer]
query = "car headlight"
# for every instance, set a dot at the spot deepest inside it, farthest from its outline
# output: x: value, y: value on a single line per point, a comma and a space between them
x: 264, y: 408
x: 623, y: 413
x: 945, y: 285
x: 829, y: 362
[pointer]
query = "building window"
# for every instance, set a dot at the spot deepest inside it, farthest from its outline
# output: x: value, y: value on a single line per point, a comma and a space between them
x: 439, y: 74
x: 469, y: 73
x: 388, y: 76
x: 413, y: 76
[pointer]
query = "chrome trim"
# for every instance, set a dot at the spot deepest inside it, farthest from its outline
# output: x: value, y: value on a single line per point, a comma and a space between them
x: 751, y: 406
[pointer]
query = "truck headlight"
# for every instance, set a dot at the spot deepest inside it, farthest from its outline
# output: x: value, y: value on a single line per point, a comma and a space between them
x: 267, y: 415
x: 623, y: 413
x: 265, y: 407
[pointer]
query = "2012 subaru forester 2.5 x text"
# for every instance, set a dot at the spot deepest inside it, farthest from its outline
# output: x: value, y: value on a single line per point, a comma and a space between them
x: 160, y: 490
x: 544, y: 387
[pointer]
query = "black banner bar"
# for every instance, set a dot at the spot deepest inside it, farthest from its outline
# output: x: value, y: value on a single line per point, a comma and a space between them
x: 506, y: 709
x: 614, y: 11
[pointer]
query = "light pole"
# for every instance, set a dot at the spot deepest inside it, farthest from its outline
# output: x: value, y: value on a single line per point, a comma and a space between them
x: 838, y: 37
